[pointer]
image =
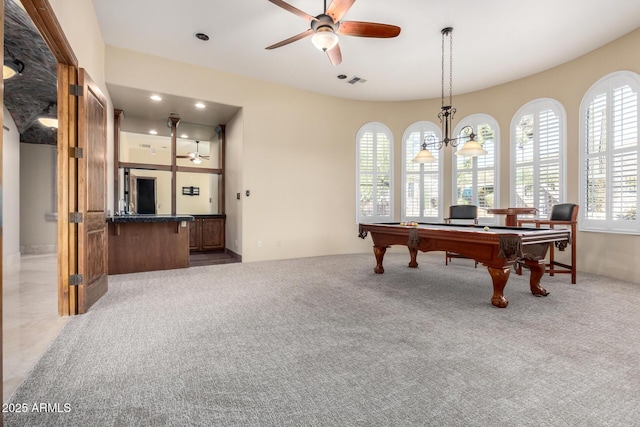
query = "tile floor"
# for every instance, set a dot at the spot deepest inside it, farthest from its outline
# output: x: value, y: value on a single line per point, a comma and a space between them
x: 30, y: 317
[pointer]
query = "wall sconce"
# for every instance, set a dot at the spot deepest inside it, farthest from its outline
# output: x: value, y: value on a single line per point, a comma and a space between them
x: 11, y: 68
x: 49, y: 116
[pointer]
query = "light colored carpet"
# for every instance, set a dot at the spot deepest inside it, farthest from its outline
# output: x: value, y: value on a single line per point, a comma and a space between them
x: 325, y: 341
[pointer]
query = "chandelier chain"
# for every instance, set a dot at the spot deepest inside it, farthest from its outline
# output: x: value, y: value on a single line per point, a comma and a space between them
x: 447, y: 32
x: 450, y: 67
x: 442, y: 73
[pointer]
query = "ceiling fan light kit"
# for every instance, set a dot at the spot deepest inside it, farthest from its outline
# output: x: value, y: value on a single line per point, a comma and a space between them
x: 194, y: 157
x: 326, y: 27
x: 324, y: 39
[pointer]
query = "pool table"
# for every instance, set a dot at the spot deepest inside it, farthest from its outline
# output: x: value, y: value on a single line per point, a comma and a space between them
x: 499, y: 248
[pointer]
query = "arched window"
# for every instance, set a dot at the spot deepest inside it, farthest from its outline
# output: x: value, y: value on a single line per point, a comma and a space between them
x: 538, y: 164
x: 374, y: 180
x: 609, y: 129
x: 421, y: 183
x: 475, y: 179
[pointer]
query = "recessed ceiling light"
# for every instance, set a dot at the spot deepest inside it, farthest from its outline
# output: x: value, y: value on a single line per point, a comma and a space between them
x: 156, y: 97
x: 184, y: 136
x: 153, y: 132
x: 342, y: 77
x: 199, y: 105
x: 202, y: 36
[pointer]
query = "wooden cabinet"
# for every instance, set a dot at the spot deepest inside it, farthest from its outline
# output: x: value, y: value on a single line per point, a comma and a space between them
x: 147, y: 243
x: 206, y: 233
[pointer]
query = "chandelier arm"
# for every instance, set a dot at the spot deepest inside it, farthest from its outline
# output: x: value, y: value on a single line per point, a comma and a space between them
x: 468, y: 131
x: 431, y: 140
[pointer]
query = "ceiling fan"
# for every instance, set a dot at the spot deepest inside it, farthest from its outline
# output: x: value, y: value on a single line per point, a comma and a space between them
x: 196, y: 157
x: 326, y: 27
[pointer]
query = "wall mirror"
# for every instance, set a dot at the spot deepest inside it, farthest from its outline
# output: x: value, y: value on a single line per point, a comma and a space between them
x: 145, y: 171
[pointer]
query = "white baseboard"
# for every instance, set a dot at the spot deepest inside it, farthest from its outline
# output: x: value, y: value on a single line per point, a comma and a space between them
x: 38, y: 249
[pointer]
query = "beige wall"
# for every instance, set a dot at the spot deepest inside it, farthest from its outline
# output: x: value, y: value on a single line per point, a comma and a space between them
x: 38, y: 219
x: 297, y: 149
x: 80, y: 25
x: 233, y: 182
x: 11, y: 194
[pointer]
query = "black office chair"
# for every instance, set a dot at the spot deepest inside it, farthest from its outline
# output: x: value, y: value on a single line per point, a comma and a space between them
x: 460, y: 214
x: 563, y: 215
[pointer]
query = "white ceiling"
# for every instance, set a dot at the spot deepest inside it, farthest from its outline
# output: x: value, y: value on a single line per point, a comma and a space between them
x: 494, y: 41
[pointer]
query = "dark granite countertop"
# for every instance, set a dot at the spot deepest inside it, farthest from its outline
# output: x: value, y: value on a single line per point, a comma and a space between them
x: 148, y: 218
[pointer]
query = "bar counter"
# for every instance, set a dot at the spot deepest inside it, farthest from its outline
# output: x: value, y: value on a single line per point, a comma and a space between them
x: 148, y: 242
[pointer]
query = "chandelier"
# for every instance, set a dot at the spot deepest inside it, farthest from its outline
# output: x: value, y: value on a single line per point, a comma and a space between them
x: 471, y: 147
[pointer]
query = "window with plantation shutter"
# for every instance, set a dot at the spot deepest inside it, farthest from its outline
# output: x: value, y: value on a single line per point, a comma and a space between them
x: 538, y: 162
x: 476, y: 178
x: 421, y: 183
x: 609, y: 149
x: 374, y: 180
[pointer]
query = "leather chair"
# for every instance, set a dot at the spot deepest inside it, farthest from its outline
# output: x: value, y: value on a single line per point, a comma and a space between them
x: 562, y: 215
x: 460, y: 213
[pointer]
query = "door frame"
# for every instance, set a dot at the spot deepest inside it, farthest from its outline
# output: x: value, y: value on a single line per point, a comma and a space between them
x: 43, y: 17
x: 133, y: 191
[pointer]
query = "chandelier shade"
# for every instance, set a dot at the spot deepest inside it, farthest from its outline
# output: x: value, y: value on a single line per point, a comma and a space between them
x: 424, y: 156
x: 471, y: 148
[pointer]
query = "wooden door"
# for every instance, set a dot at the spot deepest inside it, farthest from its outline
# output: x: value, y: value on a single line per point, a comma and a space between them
x: 92, y: 193
x: 1, y: 231
x: 194, y: 235
x: 212, y: 233
x: 146, y: 195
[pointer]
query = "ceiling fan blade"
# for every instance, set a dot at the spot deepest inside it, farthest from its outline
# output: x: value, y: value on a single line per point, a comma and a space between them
x: 291, y: 39
x: 338, y: 8
x: 335, y: 55
x: 186, y: 156
x: 368, y: 29
x: 295, y: 11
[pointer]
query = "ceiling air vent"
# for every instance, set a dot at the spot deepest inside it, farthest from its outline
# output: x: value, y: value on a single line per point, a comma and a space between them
x: 145, y: 145
x: 356, y: 79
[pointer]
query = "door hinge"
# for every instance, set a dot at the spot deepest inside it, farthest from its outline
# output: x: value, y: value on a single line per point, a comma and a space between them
x: 75, y: 90
x: 75, y: 280
x: 76, y: 152
x: 75, y: 217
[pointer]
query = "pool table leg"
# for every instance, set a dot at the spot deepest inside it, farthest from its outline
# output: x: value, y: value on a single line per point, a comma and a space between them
x: 413, y: 253
x: 537, y: 271
x: 379, y: 253
x: 499, y: 277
